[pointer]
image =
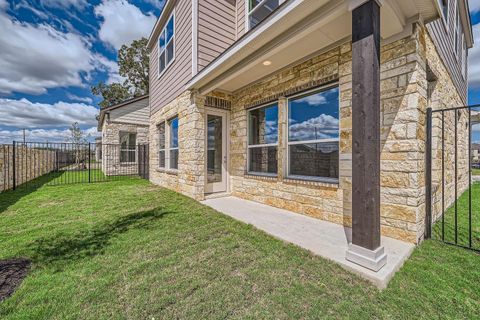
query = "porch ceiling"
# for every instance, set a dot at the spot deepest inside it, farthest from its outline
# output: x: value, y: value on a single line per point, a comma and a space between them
x: 296, y: 31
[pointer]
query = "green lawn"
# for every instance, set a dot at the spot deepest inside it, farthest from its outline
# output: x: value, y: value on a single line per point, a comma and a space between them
x: 475, y: 172
x: 463, y: 232
x: 130, y: 250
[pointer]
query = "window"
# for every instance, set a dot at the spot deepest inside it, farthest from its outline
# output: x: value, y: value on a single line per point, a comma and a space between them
x: 259, y: 10
x: 464, y: 58
x: 263, y: 140
x: 173, y: 143
x: 166, y: 45
x: 128, y: 146
x: 444, y: 4
x: 313, y: 135
x: 161, y: 145
x: 458, y: 36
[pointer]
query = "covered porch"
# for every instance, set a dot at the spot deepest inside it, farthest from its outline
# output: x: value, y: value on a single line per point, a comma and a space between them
x: 317, y: 50
x: 322, y: 238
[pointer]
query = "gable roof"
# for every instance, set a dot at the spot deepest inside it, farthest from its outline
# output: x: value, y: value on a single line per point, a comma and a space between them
x: 106, y: 110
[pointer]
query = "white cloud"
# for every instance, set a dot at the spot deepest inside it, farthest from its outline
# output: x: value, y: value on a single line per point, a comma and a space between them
x: 35, y: 58
x: 43, y: 135
x: 474, y: 59
x: 25, y: 114
x: 313, y: 100
x: 474, y: 5
x: 81, y: 99
x: 123, y: 22
x: 322, y: 127
x: 65, y: 4
x: 156, y: 3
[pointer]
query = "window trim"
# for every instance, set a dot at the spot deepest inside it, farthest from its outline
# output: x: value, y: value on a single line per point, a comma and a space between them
x: 289, y: 143
x: 128, y: 149
x: 249, y: 11
x: 174, y: 38
x: 167, y: 144
x: 164, y: 144
x: 249, y: 146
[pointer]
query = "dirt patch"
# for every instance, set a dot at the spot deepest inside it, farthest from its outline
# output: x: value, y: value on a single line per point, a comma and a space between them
x: 12, y: 272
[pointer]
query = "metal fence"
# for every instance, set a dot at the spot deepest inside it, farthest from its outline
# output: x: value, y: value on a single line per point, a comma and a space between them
x: 453, y: 176
x: 24, y: 164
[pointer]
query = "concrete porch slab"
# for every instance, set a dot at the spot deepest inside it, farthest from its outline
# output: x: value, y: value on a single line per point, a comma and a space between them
x: 323, y: 238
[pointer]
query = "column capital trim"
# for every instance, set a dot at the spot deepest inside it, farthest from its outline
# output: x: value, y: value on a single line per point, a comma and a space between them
x: 354, y: 4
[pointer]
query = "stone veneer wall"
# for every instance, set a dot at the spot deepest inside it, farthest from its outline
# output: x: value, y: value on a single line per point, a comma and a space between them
x: 190, y: 176
x: 30, y: 164
x: 111, y: 164
x: 445, y: 95
x: 403, y: 105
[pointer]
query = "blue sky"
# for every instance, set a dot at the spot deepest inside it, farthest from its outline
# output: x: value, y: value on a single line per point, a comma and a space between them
x: 52, y: 51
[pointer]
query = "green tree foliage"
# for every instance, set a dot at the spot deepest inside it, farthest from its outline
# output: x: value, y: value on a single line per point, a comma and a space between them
x: 133, y: 62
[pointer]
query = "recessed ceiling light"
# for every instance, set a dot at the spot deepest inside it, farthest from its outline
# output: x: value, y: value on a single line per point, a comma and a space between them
x: 267, y: 63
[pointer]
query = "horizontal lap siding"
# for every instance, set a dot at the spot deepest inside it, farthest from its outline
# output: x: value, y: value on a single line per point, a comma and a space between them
x: 240, y: 18
x: 445, y: 43
x: 216, y: 29
x: 173, y: 81
x: 137, y: 112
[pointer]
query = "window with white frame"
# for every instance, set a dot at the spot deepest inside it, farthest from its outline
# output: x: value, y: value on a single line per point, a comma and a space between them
x: 259, y: 10
x: 313, y: 135
x: 444, y: 4
x: 166, y: 45
x: 458, y: 36
x: 173, y: 143
x: 161, y: 145
x: 128, y: 143
x: 263, y: 140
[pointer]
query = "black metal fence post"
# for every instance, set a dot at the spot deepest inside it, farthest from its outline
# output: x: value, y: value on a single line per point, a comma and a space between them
x: 89, y: 163
x: 14, y: 167
x: 428, y: 177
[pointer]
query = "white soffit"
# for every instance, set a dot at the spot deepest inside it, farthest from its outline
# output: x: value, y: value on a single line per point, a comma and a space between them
x: 308, y: 27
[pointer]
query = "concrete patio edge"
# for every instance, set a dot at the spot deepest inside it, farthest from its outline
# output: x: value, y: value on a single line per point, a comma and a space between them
x: 322, y: 238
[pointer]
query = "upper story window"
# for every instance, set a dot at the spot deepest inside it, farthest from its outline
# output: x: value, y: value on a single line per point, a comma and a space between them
x: 263, y: 139
x: 166, y: 45
x: 444, y: 4
x: 313, y: 134
x: 128, y: 143
x: 259, y: 10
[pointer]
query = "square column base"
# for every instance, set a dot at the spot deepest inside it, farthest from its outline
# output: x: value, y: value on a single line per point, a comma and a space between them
x: 370, y: 259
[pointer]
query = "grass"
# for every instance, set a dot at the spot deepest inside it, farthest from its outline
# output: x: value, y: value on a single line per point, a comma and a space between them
x: 130, y: 250
x: 475, y: 172
x: 463, y: 228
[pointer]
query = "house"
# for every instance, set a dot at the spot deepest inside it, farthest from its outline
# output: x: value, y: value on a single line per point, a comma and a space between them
x: 314, y: 106
x: 124, y: 127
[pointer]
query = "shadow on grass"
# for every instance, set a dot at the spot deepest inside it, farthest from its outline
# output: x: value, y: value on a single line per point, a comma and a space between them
x: 10, y: 197
x: 64, y: 248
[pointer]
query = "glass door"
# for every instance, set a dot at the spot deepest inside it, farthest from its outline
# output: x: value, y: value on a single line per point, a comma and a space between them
x: 216, y: 148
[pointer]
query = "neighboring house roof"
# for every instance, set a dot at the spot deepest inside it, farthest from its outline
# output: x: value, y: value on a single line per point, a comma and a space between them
x: 126, y: 103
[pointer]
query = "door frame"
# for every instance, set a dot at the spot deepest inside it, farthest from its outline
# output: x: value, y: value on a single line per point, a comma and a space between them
x: 226, y: 167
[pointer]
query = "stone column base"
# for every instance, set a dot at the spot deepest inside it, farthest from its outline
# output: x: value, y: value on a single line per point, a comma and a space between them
x: 370, y: 259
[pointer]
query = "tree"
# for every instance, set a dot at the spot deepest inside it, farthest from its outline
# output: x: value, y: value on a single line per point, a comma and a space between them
x: 133, y: 62
x: 79, y: 140
x: 111, y: 93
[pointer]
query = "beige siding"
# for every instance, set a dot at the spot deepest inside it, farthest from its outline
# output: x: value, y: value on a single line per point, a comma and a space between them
x: 240, y: 18
x: 173, y: 80
x: 216, y: 29
x: 137, y: 112
x: 443, y: 36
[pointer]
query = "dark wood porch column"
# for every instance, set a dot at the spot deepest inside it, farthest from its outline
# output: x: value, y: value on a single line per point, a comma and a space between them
x: 365, y: 248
